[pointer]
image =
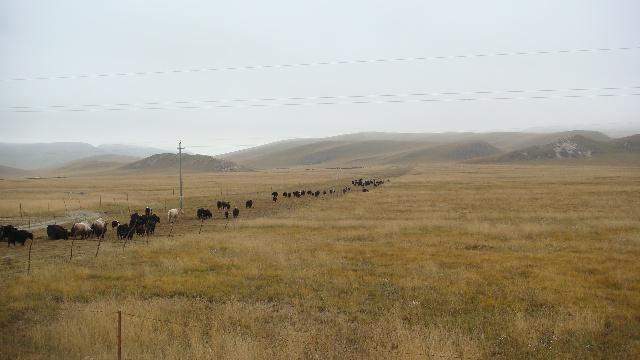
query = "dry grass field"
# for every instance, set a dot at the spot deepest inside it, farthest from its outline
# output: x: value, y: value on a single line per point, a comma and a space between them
x: 443, y: 262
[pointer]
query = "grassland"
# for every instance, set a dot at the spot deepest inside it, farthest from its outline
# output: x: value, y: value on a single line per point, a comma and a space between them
x: 447, y: 261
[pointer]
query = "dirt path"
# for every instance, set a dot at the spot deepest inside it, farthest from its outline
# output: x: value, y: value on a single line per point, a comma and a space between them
x: 71, y: 216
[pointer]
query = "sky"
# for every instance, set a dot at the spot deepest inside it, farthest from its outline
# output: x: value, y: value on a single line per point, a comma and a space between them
x: 175, y: 44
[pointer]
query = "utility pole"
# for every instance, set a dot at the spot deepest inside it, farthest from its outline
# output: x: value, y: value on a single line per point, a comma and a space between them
x: 180, y: 148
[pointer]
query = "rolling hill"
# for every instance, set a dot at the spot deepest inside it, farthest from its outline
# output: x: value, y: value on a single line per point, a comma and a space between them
x: 379, y: 148
x: 190, y: 163
x: 94, y: 164
x: 575, y: 148
x: 8, y: 172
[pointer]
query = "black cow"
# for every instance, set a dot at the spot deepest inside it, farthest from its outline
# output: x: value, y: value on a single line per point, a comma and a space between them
x: 236, y: 212
x: 150, y: 225
x: 226, y: 214
x: 248, y: 204
x: 114, y: 224
x: 204, y: 214
x: 14, y: 235
x: 57, y: 232
x: 274, y: 194
x: 317, y: 193
x: 123, y: 231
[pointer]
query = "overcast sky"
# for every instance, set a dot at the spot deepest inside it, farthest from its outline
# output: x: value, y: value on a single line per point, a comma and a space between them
x: 58, y: 38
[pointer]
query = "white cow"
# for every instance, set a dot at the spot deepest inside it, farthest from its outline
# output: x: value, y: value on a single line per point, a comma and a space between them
x: 172, y: 215
x: 82, y: 229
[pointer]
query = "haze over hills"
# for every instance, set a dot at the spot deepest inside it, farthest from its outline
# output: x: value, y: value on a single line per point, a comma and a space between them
x: 51, y: 155
x: 377, y: 148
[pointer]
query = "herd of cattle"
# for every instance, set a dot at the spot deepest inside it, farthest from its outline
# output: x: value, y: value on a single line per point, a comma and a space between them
x: 145, y: 224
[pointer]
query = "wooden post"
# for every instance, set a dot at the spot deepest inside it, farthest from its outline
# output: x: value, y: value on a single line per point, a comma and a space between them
x: 29, y: 266
x: 99, y: 241
x: 20, y: 210
x: 29, y: 227
x: 201, y: 222
x: 71, y: 256
x: 165, y: 205
x: 100, y: 201
x: 119, y: 335
x: 65, y: 206
x: 173, y: 191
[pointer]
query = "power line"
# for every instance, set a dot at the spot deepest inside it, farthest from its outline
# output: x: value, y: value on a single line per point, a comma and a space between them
x: 317, y: 63
x: 332, y: 100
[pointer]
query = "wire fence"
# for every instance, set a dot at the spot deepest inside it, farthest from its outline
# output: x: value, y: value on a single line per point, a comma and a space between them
x: 41, y: 253
x: 193, y: 70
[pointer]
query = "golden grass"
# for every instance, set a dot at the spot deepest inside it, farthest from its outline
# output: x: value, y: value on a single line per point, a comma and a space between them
x: 443, y: 262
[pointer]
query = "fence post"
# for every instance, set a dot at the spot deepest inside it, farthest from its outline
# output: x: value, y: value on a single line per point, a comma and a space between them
x: 201, y: 222
x: 29, y: 227
x: 20, y: 210
x: 101, y: 201
x: 71, y: 256
x: 119, y: 334
x: 99, y: 241
x: 29, y: 266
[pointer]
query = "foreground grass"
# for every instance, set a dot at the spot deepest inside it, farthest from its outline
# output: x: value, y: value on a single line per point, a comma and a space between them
x: 444, y: 262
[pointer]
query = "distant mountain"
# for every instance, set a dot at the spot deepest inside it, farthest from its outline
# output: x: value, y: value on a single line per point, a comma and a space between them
x: 576, y: 147
x: 379, y: 148
x: 51, y: 155
x: 190, y: 163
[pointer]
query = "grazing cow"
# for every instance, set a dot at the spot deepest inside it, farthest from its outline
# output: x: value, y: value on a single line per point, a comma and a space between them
x: 324, y: 192
x: 123, y: 231
x: 365, y: 190
x: 219, y: 204
x: 147, y: 211
x: 150, y: 226
x: 172, y: 215
x: 236, y: 212
x: 20, y: 236
x: 114, y: 224
x: 5, y: 231
x: 317, y: 193
x: 248, y: 204
x: 57, y: 232
x: 99, y: 228
x: 274, y: 194
x: 223, y: 205
x: 204, y: 214
x: 82, y: 229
